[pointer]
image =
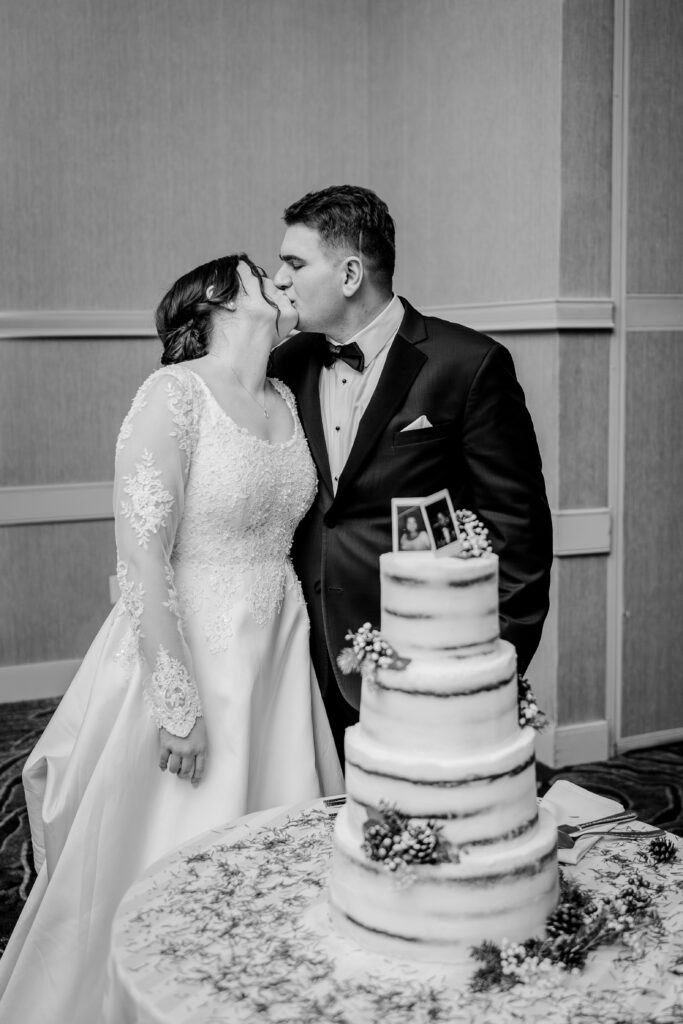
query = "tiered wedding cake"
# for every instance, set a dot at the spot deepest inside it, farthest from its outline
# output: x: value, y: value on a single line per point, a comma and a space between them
x: 440, y: 845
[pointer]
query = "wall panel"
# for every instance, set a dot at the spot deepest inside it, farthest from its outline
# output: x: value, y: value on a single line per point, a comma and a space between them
x: 582, y: 604
x: 652, y: 697
x: 584, y: 396
x: 655, y: 153
x: 140, y: 139
x: 62, y: 403
x: 536, y: 363
x: 465, y: 115
x: 585, y: 249
x: 55, y: 589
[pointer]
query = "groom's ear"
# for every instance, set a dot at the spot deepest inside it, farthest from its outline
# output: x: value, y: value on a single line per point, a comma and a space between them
x: 352, y: 270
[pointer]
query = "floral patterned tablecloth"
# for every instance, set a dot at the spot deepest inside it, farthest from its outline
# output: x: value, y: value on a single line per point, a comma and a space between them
x: 235, y: 927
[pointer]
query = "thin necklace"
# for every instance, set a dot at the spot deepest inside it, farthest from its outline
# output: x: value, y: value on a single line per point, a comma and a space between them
x: 253, y: 397
x: 245, y: 388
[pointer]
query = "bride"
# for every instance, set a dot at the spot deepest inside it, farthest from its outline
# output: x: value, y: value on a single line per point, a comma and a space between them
x: 196, y: 702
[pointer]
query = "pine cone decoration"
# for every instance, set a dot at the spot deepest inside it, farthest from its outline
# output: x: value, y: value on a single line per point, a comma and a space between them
x: 566, y: 920
x: 663, y: 850
x: 570, y: 951
x: 376, y: 840
x: 420, y: 843
x: 396, y: 852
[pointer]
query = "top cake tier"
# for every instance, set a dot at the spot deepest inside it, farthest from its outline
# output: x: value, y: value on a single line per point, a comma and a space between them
x: 439, y: 607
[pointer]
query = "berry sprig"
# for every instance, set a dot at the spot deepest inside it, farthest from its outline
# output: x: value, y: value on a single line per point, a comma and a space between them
x: 398, y: 842
x: 368, y: 653
x: 474, y: 537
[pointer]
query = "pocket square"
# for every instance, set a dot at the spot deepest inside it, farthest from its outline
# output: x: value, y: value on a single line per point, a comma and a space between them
x: 419, y: 424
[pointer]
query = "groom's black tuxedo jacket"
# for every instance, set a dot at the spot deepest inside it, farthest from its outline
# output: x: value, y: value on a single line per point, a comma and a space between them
x: 481, y: 446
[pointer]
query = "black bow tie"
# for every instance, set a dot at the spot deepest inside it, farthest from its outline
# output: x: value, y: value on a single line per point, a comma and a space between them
x: 351, y: 354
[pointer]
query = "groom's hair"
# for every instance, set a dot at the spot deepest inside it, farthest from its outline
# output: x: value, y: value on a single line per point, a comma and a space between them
x: 353, y: 218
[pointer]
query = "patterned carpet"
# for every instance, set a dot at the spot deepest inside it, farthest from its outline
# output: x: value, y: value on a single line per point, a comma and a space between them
x: 649, y: 782
x: 20, y: 726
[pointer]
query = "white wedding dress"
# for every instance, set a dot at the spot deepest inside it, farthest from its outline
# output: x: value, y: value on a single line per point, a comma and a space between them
x: 211, y: 621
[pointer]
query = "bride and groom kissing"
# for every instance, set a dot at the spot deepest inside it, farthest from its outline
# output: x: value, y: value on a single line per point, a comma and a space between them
x: 253, y: 485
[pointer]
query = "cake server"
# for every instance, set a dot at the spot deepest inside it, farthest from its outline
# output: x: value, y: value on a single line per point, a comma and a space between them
x: 621, y: 817
x: 565, y: 842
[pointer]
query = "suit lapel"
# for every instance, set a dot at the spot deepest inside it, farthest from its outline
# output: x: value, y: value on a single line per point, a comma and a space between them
x: 308, y: 394
x: 403, y: 364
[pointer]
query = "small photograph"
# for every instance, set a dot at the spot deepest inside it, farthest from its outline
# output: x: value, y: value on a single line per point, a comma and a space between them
x: 441, y: 523
x: 409, y: 532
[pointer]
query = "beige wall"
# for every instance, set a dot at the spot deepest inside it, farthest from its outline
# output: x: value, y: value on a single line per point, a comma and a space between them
x: 465, y: 142
x: 139, y: 139
x: 142, y: 138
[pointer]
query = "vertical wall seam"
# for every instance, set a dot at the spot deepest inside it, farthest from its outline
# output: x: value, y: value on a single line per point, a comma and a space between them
x: 617, y: 393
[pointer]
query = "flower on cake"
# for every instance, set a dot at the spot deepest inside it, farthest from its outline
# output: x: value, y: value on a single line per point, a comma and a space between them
x: 368, y: 652
x: 473, y: 535
x: 528, y: 710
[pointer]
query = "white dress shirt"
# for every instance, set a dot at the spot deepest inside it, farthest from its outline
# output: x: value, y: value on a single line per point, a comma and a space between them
x: 345, y: 392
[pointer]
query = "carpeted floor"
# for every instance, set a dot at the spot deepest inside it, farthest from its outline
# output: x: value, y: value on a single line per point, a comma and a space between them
x: 20, y: 726
x: 649, y: 782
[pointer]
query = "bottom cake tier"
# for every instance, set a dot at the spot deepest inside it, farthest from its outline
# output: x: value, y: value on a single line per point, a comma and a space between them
x: 444, y: 909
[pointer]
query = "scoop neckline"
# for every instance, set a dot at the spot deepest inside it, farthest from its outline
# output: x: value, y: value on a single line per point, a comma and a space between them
x: 279, y: 387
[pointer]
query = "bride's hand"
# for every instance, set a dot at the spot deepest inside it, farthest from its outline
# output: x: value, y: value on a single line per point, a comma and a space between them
x: 184, y: 756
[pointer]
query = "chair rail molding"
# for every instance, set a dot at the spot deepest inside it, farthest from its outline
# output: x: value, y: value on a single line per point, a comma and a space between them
x: 582, y: 531
x: 654, y: 313
x: 56, y: 503
x: 550, y: 314
x: 575, y: 314
x: 91, y: 324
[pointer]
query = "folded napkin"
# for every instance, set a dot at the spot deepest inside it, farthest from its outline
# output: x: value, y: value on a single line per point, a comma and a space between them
x: 572, y: 805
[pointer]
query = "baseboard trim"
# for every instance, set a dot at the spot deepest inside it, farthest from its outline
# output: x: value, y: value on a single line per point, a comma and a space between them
x: 37, y: 680
x: 561, y: 746
x: 649, y: 739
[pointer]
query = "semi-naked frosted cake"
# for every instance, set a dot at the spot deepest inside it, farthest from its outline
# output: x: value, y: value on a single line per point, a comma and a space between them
x: 439, y: 741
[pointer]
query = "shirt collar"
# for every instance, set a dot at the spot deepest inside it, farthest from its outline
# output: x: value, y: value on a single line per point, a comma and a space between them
x: 379, y: 332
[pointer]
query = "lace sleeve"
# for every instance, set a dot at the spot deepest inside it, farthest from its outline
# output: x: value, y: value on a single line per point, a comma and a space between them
x: 153, y: 455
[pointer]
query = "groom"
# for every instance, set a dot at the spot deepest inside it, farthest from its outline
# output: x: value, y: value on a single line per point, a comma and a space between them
x: 397, y: 404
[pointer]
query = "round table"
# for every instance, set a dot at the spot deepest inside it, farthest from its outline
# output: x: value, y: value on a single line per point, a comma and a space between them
x: 235, y: 927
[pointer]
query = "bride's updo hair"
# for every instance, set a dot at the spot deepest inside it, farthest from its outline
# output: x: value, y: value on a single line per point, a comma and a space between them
x: 184, y: 317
